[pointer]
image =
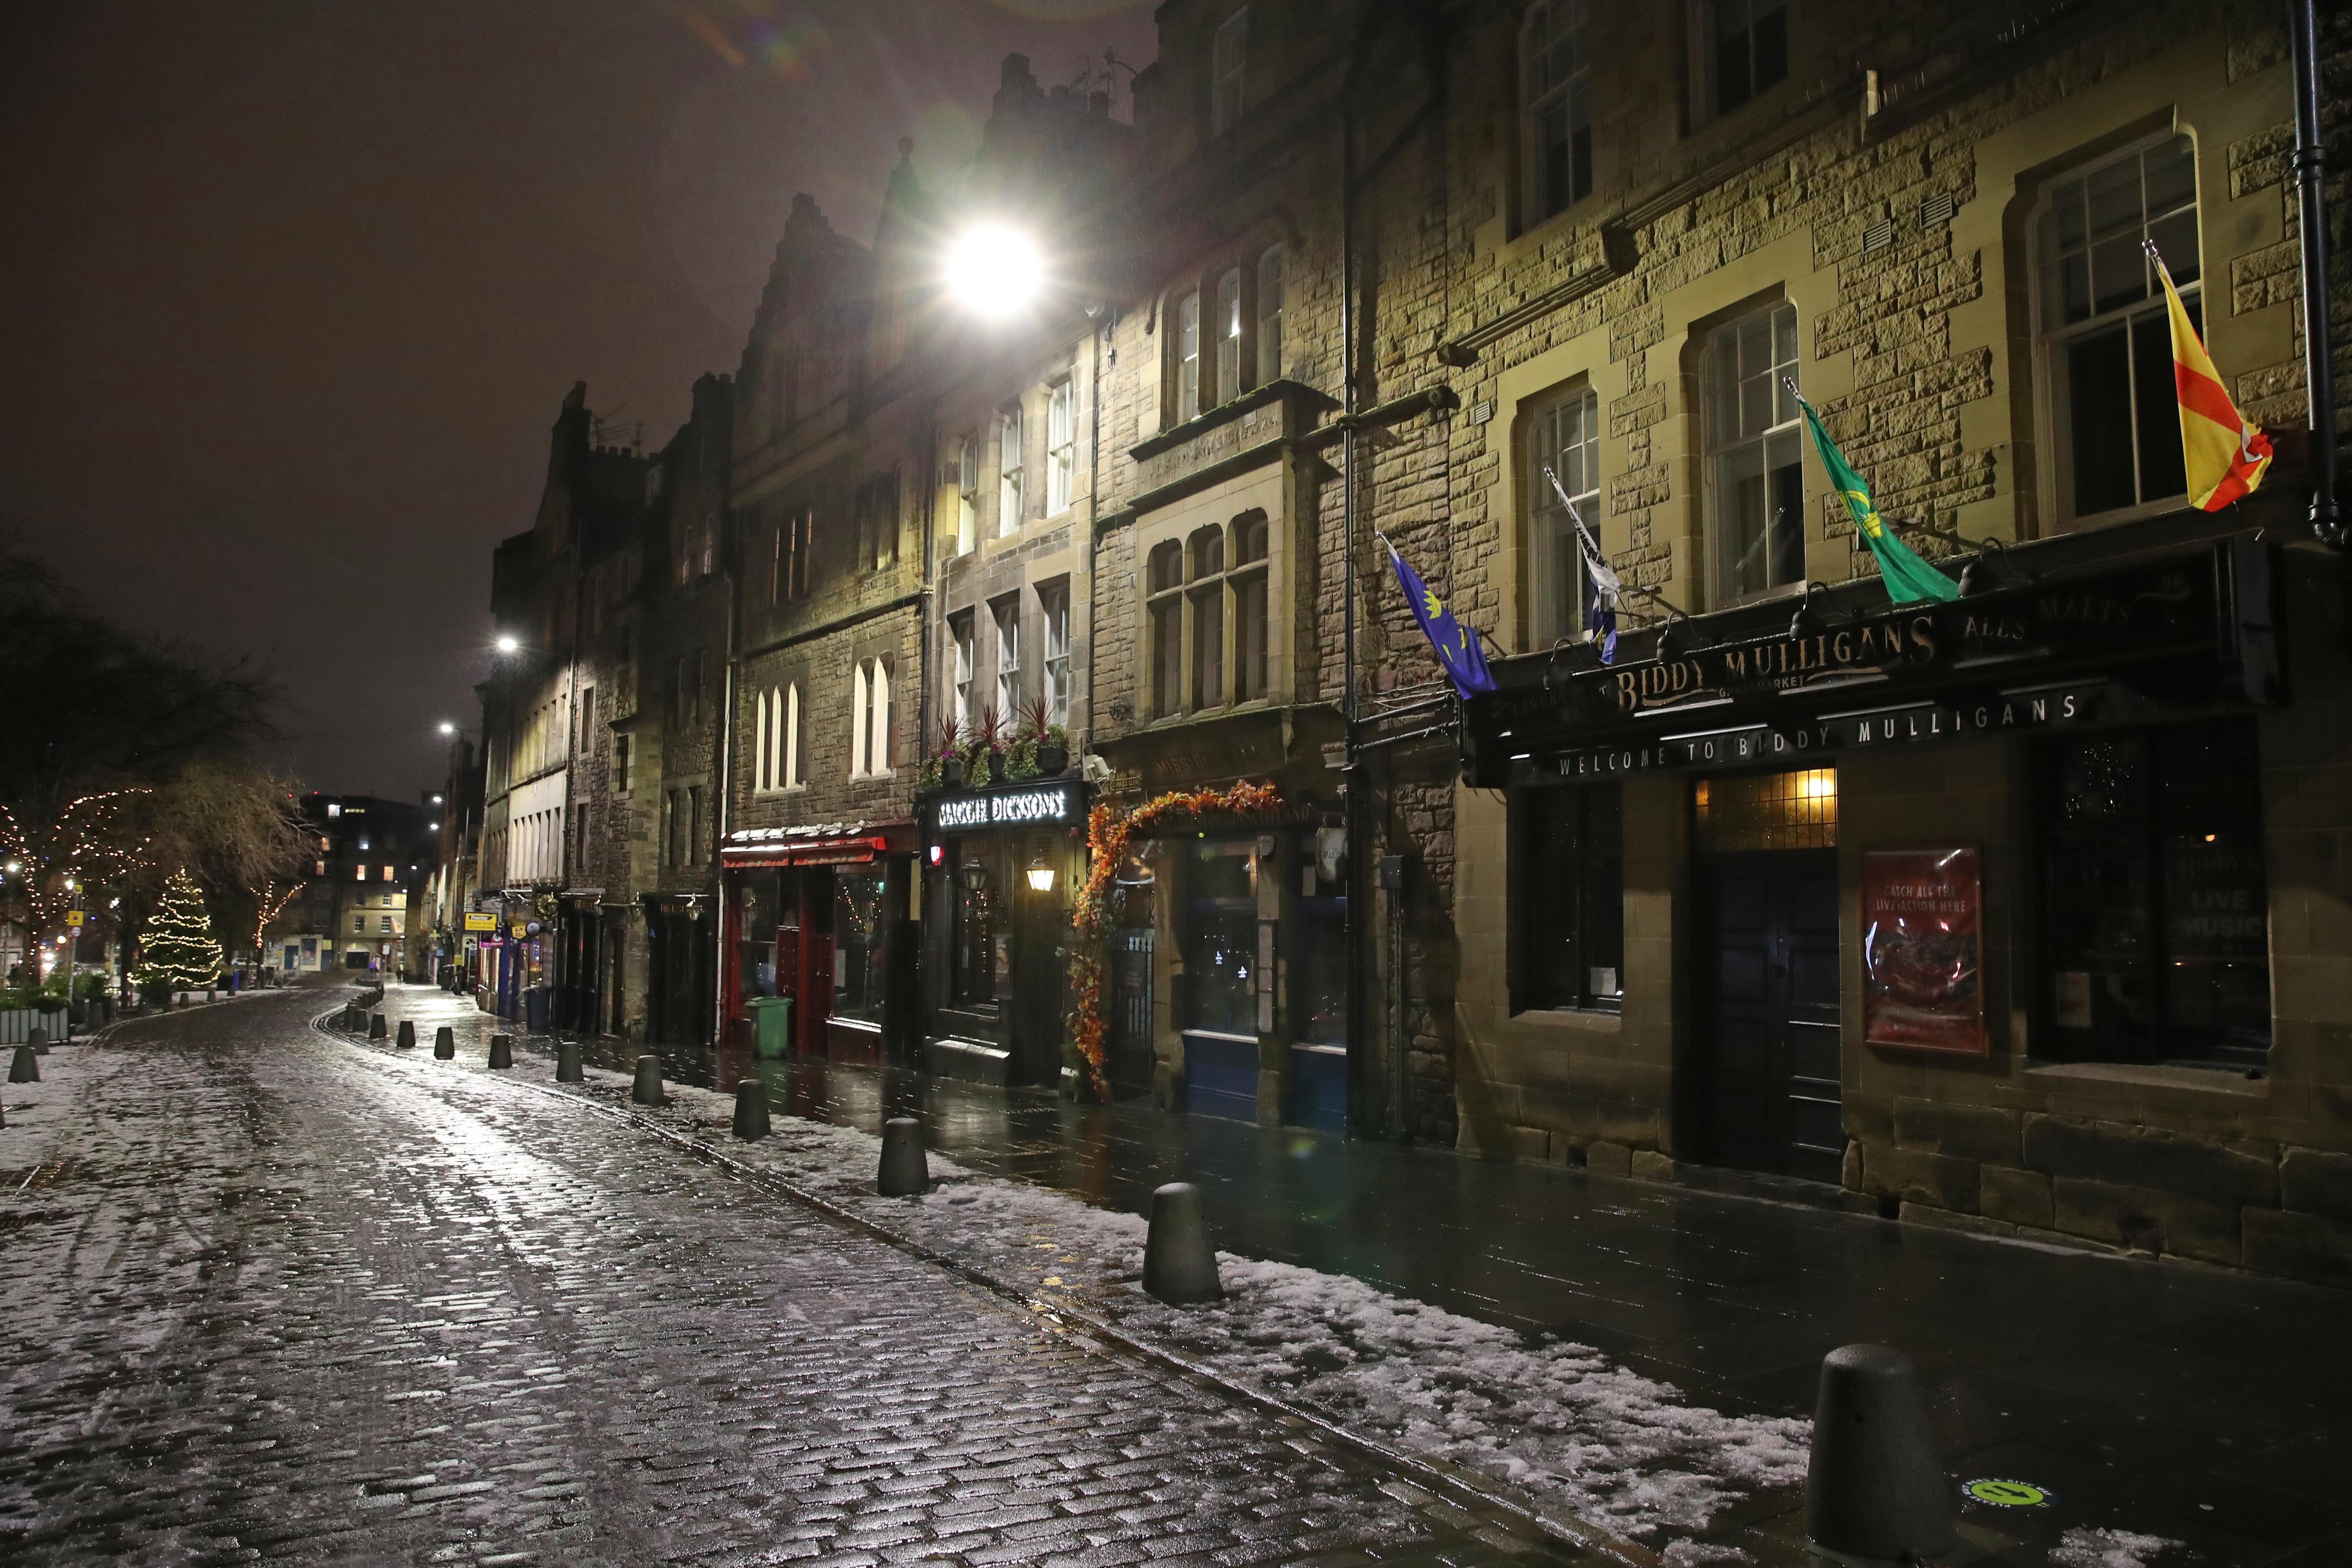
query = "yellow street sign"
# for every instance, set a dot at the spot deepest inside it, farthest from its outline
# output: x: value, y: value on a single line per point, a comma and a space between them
x: 74, y: 917
x: 481, y: 923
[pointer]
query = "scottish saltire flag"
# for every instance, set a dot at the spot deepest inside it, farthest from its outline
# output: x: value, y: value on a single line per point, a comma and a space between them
x: 1457, y: 648
x: 1908, y: 578
x: 1602, y: 593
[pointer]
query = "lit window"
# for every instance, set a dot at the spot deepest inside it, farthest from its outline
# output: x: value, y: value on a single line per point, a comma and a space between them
x: 792, y: 735
x: 1229, y: 336
x: 2107, y: 345
x: 1060, y: 448
x: 1756, y: 490
x: 321, y: 869
x: 359, y: 873
x: 1556, y: 119
x: 1228, y: 69
x: 870, y: 730
x: 1564, y: 436
x: 387, y: 873
x: 334, y: 808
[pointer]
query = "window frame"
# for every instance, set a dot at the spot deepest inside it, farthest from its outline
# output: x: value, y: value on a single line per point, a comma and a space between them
x: 2055, y: 411
x: 1719, y: 448
x: 1553, y: 905
x: 1188, y: 356
x: 1550, y: 553
x: 1053, y: 623
x: 1061, y: 445
x: 1267, y: 352
x: 1011, y: 468
x: 1229, y: 71
x: 967, y: 535
x: 1165, y: 620
x: 1706, y: 20
x: 1229, y: 338
x: 1574, y: 93
x: 1004, y: 616
x: 963, y: 652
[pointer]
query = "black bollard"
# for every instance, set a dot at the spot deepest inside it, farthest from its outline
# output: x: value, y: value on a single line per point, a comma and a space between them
x: 649, y: 1089
x: 406, y: 1039
x: 750, y: 1110
x: 905, y: 1170
x: 375, y: 1026
x: 502, y: 1050
x: 1876, y: 1487
x: 40, y: 1041
x: 1180, y: 1267
x: 567, y: 1063
x: 24, y: 1068
x: 444, y: 1043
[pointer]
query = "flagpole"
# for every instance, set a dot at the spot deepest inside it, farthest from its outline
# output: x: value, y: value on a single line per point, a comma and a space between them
x: 2309, y: 162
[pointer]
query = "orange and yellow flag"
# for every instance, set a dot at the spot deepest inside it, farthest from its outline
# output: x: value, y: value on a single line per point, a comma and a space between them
x: 2226, y: 457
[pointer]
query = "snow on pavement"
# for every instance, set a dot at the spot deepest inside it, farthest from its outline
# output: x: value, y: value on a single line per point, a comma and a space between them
x: 1555, y: 1419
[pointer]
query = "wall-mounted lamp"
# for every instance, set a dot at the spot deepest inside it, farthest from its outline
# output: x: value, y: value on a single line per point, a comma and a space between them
x: 974, y: 875
x: 1041, y: 876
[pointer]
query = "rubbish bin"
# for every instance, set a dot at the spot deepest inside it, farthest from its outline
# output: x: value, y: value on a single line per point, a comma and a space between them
x: 534, y: 1007
x: 771, y: 1032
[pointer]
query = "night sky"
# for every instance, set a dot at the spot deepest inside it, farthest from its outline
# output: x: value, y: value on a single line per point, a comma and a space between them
x: 289, y: 293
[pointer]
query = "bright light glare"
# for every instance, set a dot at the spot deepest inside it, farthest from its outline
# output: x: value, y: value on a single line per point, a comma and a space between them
x: 994, y: 270
x: 509, y: 644
x: 448, y: 727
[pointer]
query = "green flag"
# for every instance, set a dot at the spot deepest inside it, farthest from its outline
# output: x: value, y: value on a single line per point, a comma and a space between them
x: 1907, y: 578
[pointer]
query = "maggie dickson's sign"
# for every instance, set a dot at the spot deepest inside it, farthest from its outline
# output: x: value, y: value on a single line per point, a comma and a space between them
x: 2209, y: 609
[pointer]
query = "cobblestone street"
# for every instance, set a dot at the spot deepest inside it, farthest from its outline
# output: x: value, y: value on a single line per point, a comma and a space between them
x: 272, y: 1296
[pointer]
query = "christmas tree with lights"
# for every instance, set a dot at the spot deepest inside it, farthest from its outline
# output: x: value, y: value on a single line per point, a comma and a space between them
x: 179, y: 951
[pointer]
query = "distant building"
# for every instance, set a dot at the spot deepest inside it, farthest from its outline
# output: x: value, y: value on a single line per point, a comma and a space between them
x: 363, y: 890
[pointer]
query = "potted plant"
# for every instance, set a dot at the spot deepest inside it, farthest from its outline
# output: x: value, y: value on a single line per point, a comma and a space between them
x: 944, y: 768
x: 984, y: 758
x: 1042, y: 748
x: 1054, y: 751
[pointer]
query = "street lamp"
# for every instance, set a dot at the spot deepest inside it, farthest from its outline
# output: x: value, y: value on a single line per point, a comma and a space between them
x: 1041, y: 876
x: 508, y: 643
x: 994, y: 271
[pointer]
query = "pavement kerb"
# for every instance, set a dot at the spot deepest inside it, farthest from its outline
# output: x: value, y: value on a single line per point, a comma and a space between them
x: 1435, y: 1474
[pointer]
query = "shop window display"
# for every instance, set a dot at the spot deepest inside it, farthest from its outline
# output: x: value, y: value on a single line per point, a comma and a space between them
x: 2156, y: 928
x: 1221, y: 937
x: 859, y: 907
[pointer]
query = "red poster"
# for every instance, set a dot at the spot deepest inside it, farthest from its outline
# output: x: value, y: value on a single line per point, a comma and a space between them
x: 1922, y: 950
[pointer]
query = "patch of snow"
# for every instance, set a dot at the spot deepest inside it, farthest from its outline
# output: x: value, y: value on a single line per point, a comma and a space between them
x: 2087, y: 1548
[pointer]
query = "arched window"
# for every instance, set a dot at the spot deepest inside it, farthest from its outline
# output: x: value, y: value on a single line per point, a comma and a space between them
x: 793, y: 736
x: 1555, y: 108
x: 1206, y: 591
x: 762, y: 725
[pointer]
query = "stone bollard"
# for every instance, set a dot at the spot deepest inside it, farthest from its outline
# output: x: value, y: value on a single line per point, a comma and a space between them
x: 906, y: 1171
x: 375, y: 1026
x: 444, y: 1043
x: 40, y: 1041
x: 1180, y: 1267
x: 567, y: 1063
x: 649, y: 1089
x: 1875, y: 1486
x: 502, y: 1050
x: 406, y: 1039
x: 750, y: 1110
x: 25, y: 1068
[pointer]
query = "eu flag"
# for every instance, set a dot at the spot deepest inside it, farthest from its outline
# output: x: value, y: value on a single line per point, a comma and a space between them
x: 1457, y: 648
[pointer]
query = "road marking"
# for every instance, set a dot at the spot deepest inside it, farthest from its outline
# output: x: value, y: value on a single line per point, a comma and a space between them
x: 2007, y: 1493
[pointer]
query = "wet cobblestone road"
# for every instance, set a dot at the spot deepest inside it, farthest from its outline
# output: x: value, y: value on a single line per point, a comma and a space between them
x: 270, y: 1297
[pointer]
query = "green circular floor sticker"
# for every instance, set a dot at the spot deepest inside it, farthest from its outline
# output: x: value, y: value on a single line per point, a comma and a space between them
x: 2007, y: 1494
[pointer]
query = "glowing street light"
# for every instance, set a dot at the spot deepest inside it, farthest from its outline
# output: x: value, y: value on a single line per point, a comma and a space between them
x: 448, y: 727
x: 994, y: 271
x: 508, y: 643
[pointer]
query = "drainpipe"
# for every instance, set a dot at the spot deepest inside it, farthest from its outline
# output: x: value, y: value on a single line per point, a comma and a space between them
x: 1351, y: 772
x: 2318, y: 366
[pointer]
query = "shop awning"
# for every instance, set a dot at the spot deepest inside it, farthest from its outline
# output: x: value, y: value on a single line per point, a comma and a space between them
x: 832, y: 843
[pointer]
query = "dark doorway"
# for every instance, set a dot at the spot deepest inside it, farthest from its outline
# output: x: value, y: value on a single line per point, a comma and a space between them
x: 1769, y: 1047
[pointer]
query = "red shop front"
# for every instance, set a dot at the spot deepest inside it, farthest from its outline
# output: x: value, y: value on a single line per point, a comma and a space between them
x: 819, y: 918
